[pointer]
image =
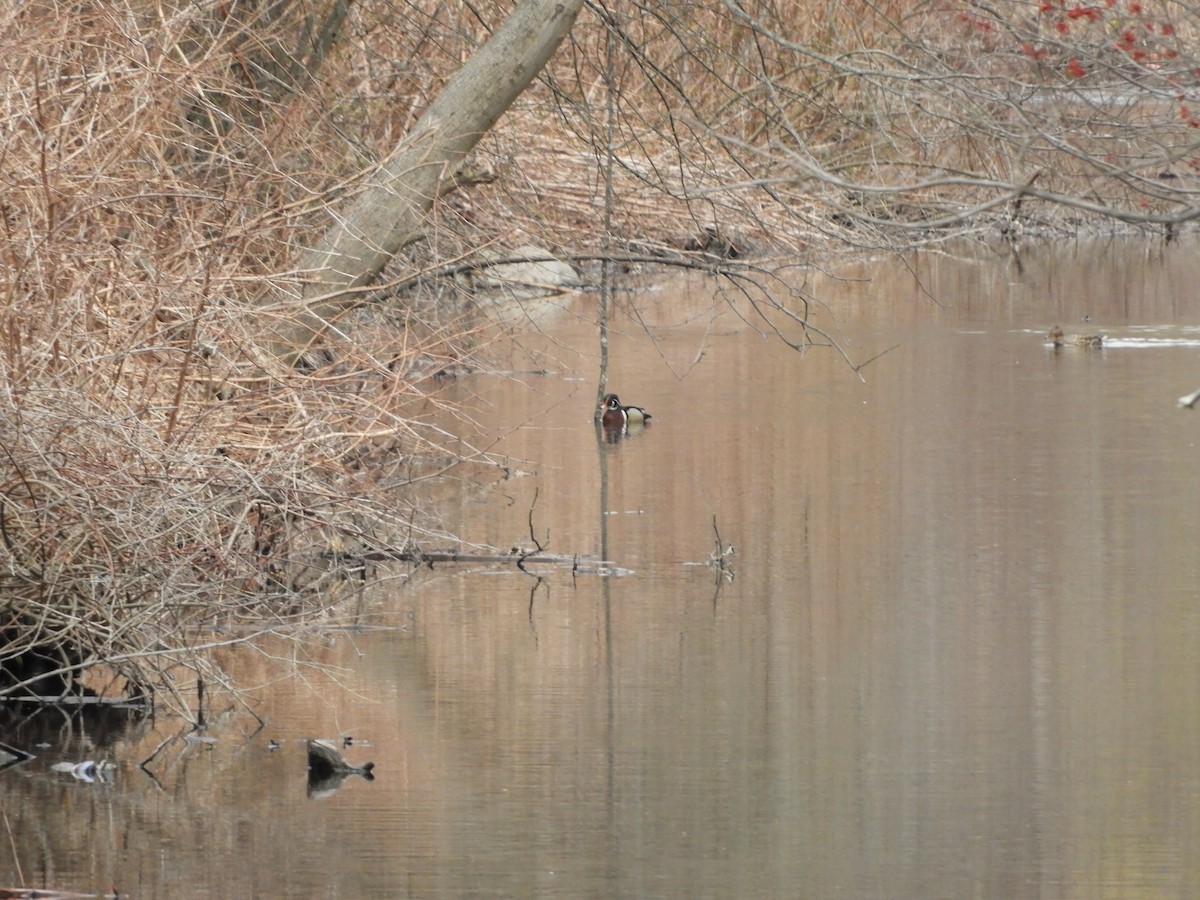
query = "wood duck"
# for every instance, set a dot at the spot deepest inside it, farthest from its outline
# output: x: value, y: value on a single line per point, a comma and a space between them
x: 618, y: 416
x: 1087, y: 341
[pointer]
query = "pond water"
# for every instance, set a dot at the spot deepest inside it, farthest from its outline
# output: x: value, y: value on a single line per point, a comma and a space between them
x: 954, y: 652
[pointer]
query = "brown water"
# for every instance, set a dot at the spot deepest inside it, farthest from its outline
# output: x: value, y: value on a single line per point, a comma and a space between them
x: 957, y: 656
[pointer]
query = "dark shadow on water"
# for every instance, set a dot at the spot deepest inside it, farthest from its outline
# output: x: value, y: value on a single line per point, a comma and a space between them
x: 27, y: 726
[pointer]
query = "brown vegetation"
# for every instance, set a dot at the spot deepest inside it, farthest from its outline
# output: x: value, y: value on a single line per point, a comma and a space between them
x: 160, y: 476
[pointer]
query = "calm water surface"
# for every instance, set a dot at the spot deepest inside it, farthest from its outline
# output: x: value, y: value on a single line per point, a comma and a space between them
x: 957, y: 656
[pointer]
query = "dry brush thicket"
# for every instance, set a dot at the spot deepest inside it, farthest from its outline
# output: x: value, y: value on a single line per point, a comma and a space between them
x: 162, y: 478
x: 804, y: 128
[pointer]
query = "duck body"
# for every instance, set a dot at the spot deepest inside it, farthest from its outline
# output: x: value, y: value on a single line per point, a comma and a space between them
x: 1086, y: 341
x: 617, y: 416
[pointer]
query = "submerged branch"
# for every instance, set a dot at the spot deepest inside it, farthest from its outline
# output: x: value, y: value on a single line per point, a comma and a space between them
x: 513, y: 557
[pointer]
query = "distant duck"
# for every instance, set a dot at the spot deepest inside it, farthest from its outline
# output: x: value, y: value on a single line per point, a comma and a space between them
x: 1188, y: 401
x: 618, y: 416
x: 1086, y: 341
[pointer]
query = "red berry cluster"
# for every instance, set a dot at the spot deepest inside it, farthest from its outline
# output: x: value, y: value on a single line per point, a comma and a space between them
x: 1125, y: 27
x: 1140, y: 36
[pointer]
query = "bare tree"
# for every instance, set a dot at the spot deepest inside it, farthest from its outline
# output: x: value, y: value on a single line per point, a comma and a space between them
x: 893, y: 124
x: 1075, y: 109
x: 390, y: 209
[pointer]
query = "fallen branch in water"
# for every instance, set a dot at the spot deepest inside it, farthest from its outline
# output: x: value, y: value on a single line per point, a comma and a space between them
x: 514, y: 556
x: 139, y: 704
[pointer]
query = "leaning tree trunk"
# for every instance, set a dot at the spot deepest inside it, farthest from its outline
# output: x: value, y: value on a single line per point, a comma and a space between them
x: 391, y: 210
